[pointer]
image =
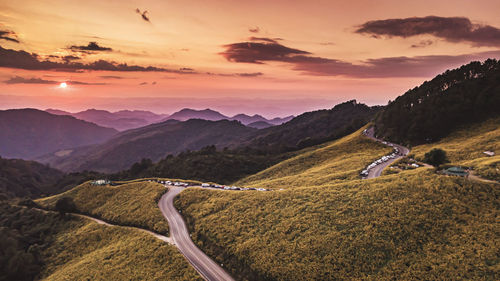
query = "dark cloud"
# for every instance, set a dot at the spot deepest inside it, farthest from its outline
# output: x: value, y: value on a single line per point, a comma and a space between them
x: 254, y: 52
x: 9, y: 36
x: 24, y: 60
x: 70, y: 58
x: 420, y: 66
x: 244, y: 74
x: 92, y: 47
x: 422, y: 44
x: 143, y: 14
x: 254, y: 29
x: 22, y: 80
x: 143, y: 83
x: 154, y: 83
x: 264, y: 39
x: 452, y: 29
x: 111, y: 77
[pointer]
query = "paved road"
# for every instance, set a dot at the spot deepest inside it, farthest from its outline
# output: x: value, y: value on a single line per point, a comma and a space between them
x: 377, y: 170
x: 179, y: 233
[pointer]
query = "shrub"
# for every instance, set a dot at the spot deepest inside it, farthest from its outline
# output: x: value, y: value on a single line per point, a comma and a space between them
x: 436, y: 157
x: 65, y: 205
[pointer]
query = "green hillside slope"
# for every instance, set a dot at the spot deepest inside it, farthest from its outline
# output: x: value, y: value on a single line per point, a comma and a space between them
x: 412, y: 225
x: 132, y: 204
x: 332, y: 162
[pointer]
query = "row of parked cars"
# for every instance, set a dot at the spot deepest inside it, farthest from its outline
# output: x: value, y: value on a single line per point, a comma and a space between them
x: 171, y: 183
x: 208, y: 185
x: 385, y: 158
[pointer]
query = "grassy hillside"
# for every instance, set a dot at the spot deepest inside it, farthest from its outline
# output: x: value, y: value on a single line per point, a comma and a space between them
x: 97, y: 252
x: 466, y: 146
x: 133, y: 204
x: 332, y: 162
x: 43, y: 245
x: 414, y: 225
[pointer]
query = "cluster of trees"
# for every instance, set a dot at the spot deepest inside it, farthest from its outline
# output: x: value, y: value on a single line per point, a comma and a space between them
x: 437, y: 107
x: 25, y: 233
x: 21, y: 178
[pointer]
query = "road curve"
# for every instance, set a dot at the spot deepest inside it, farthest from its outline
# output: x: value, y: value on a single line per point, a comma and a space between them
x: 179, y: 233
x: 377, y: 170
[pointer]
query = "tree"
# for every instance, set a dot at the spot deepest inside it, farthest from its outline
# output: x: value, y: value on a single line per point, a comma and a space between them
x: 436, y: 157
x: 65, y: 205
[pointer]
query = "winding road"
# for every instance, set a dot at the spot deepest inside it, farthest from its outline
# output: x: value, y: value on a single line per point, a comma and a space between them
x: 377, y: 170
x: 180, y: 235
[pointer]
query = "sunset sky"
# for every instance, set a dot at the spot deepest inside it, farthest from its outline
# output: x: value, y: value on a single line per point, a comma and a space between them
x: 268, y: 57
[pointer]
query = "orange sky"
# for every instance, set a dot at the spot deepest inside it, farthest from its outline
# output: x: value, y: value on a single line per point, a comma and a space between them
x: 311, y: 54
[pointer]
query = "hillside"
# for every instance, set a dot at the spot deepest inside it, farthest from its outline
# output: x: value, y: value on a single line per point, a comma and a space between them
x: 431, y: 111
x: 329, y: 163
x: 260, y: 125
x: 155, y: 142
x: 131, y: 203
x: 466, y: 147
x: 29, y: 133
x: 20, y: 178
x: 406, y: 226
x: 32, y: 241
x: 312, y: 128
x: 120, y: 120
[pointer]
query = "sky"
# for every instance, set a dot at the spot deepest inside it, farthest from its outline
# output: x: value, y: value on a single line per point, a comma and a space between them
x: 273, y: 58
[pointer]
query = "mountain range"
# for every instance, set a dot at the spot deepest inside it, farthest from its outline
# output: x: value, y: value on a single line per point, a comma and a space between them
x: 157, y: 141
x: 130, y: 119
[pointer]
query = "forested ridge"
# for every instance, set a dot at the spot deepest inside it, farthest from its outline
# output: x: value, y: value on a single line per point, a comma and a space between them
x: 432, y: 110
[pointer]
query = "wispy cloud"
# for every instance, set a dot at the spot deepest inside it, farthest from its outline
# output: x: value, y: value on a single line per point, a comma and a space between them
x: 9, y: 36
x: 24, y: 60
x: 144, y: 15
x: 35, y: 80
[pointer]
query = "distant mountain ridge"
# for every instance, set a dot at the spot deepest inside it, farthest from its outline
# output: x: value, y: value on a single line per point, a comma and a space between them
x: 29, y: 133
x: 154, y: 142
x: 212, y: 115
x: 120, y: 120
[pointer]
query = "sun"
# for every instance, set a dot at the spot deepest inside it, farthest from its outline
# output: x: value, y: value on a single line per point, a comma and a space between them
x: 63, y: 85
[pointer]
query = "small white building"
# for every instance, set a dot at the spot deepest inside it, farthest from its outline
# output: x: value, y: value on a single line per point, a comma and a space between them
x: 489, y: 153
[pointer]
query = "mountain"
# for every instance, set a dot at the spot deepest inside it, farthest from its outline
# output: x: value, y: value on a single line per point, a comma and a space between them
x: 154, y: 141
x: 312, y: 128
x: 120, y: 120
x: 260, y: 125
x: 247, y: 119
x: 430, y: 111
x: 206, y: 114
x: 212, y: 115
x: 279, y: 121
x: 29, y: 133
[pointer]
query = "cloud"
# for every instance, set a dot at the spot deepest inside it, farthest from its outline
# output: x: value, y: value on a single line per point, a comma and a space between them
x: 111, y: 77
x: 419, y: 66
x: 423, y: 44
x: 254, y: 29
x: 327, y: 44
x: 22, y: 80
x: 92, y: 46
x: 265, y: 39
x: 254, y: 52
x: 9, y: 36
x: 143, y: 83
x: 70, y: 58
x: 243, y: 74
x: 143, y: 14
x: 24, y: 60
x: 451, y: 29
